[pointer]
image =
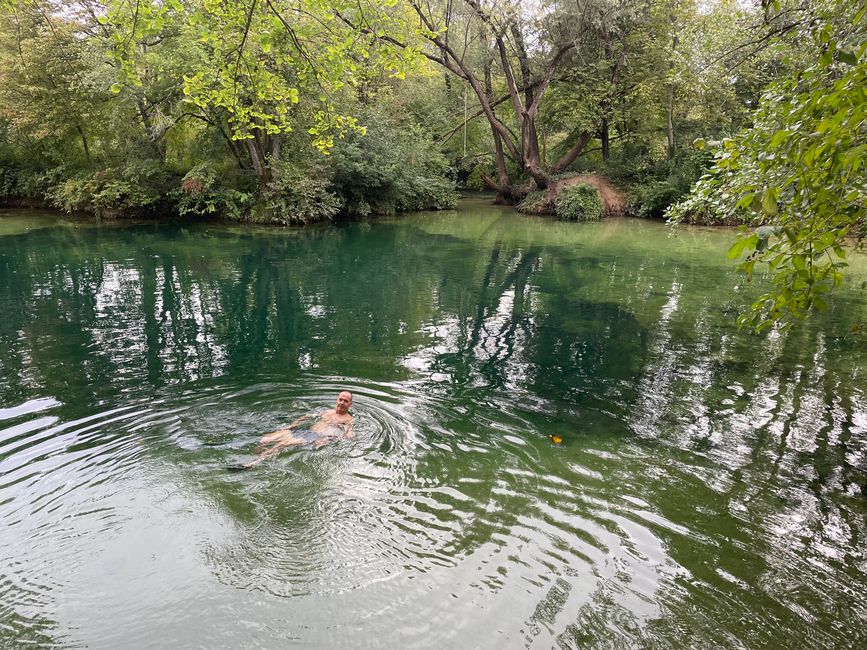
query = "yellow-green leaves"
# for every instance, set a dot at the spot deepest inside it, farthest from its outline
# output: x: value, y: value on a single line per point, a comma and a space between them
x: 257, y: 59
x: 769, y: 202
x: 746, y: 243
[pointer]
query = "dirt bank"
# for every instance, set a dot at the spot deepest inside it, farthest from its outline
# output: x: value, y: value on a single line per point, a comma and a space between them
x: 613, y: 201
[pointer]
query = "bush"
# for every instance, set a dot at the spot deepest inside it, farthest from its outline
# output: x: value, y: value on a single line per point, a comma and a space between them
x: 8, y: 183
x: 134, y: 188
x: 16, y: 183
x: 474, y: 176
x: 534, y: 203
x: 650, y: 200
x: 425, y: 193
x: 579, y: 202
x: 296, y: 196
x: 656, y: 186
x: 704, y: 210
x: 201, y: 193
x: 391, y: 169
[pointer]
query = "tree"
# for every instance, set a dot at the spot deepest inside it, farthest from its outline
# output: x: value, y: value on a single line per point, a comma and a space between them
x: 47, y: 91
x: 258, y: 62
x: 798, y: 174
x: 529, y: 49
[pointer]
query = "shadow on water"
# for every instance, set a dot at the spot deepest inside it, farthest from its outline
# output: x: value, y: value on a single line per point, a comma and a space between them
x: 707, y: 488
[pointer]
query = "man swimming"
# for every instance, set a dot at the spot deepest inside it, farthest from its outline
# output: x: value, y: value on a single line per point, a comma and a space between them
x: 329, y: 426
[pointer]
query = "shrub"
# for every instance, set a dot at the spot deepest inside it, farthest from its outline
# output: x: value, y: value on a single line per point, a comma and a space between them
x: 134, y: 188
x: 656, y: 186
x: 201, y: 193
x: 650, y: 200
x: 534, y: 203
x: 474, y: 177
x: 295, y: 196
x: 579, y: 202
x: 391, y: 170
x: 17, y: 183
x: 8, y: 183
x: 416, y: 192
x: 705, y: 210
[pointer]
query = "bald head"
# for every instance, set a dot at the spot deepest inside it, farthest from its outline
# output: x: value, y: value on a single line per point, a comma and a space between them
x: 344, y: 401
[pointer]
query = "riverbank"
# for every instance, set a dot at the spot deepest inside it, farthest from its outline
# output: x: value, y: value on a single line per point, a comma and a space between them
x: 199, y: 197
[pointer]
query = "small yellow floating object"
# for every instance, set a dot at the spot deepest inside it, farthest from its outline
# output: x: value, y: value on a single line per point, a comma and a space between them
x: 556, y: 439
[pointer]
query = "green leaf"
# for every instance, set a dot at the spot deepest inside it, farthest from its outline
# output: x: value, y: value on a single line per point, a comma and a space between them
x: 779, y: 138
x: 741, y: 245
x: 769, y: 203
x: 847, y: 57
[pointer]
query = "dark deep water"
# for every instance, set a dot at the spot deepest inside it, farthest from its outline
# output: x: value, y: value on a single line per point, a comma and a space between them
x: 710, y: 489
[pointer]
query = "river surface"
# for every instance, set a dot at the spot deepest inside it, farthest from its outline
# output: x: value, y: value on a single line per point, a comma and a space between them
x: 709, y: 489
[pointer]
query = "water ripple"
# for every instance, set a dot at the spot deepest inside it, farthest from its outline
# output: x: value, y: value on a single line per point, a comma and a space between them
x: 427, y: 489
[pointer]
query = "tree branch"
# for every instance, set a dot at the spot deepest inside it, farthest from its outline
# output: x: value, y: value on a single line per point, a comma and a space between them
x: 570, y: 156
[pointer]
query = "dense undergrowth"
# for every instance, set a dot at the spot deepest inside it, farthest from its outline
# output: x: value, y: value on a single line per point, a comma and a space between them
x: 385, y: 171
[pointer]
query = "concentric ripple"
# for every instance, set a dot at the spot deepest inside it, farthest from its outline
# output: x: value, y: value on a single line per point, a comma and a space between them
x: 560, y: 442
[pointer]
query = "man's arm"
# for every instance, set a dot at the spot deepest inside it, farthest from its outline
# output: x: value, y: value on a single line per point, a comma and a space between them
x: 303, y: 418
x: 281, y: 433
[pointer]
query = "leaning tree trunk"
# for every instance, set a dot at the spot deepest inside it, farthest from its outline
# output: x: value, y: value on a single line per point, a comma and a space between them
x: 503, y: 186
x: 84, y: 142
x: 669, y: 109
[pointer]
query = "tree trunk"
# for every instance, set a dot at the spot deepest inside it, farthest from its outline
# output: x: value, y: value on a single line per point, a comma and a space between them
x: 504, y: 186
x: 525, y: 149
x: 570, y: 156
x: 669, y: 122
x: 155, y: 142
x: 260, y: 163
x: 276, y: 146
x: 532, y: 158
x: 604, y: 139
x: 669, y: 108
x: 84, y: 143
x: 617, y: 65
x: 234, y: 145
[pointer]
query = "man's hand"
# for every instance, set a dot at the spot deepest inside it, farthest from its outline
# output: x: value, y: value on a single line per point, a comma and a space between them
x: 298, y: 421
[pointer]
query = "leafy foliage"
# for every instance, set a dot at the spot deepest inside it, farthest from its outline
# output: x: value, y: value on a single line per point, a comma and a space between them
x: 136, y: 187
x: 256, y: 60
x: 19, y: 183
x: 655, y: 186
x: 579, y: 202
x: 201, y: 193
x: 535, y: 202
x: 798, y: 175
x: 296, y: 196
x: 392, y: 168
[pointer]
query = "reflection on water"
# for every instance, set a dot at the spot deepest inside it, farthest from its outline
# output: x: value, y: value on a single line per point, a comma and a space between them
x: 709, y: 489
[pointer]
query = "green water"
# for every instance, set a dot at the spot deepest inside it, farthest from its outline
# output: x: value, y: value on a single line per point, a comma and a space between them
x: 709, y: 490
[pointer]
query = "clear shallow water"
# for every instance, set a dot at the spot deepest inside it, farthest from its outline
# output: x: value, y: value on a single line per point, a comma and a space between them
x: 709, y: 490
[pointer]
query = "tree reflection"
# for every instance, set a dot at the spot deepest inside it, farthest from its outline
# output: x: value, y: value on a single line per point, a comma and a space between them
x: 509, y: 332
